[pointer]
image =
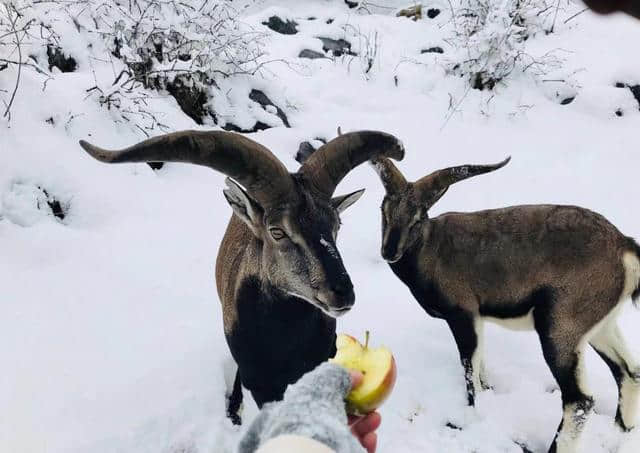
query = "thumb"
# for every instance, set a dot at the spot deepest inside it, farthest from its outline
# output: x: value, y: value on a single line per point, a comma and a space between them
x: 356, y: 378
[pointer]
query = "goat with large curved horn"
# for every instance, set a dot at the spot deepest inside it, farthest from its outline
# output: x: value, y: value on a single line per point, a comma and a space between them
x: 280, y: 278
x: 239, y: 157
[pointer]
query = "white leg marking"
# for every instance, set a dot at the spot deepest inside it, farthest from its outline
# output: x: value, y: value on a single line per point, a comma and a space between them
x: 581, y: 375
x: 575, y: 415
x: 630, y: 397
x: 609, y: 340
x: 573, y: 420
x: 477, y: 360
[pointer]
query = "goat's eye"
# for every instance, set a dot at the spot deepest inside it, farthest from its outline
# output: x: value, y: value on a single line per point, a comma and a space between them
x: 277, y: 233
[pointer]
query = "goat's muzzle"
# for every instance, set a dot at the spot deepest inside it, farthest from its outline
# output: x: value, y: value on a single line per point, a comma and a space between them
x: 338, y: 300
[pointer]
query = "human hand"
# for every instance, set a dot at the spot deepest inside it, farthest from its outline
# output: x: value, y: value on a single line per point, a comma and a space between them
x: 363, y: 428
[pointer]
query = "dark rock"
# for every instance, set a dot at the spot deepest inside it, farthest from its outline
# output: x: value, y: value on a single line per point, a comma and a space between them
x: 50, y: 120
x: 259, y: 126
x: 453, y: 426
x: 567, y: 101
x: 635, y: 90
x: 337, y: 46
x: 191, y: 97
x: 262, y: 99
x: 311, y: 54
x: 155, y: 165
x: 619, y: 112
x: 278, y: 25
x: 141, y: 69
x: 304, y: 151
x: 436, y: 49
x: 59, y: 60
x: 311, y: 18
x: 480, y: 81
x: 432, y: 13
x: 329, y: 21
x: 351, y: 4
x: 58, y: 209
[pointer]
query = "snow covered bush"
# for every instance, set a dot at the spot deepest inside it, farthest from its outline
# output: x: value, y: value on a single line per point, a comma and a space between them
x: 175, y: 47
x: 490, y: 37
x: 15, y: 28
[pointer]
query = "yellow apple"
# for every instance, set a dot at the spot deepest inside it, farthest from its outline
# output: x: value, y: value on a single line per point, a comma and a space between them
x: 377, y: 366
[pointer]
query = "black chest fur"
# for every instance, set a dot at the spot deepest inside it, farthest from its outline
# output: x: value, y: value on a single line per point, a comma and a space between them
x: 423, y: 288
x: 277, y: 339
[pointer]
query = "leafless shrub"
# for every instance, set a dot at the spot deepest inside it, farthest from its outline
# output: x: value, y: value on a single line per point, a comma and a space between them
x: 490, y: 38
x: 14, y: 30
x: 173, y: 46
x: 369, y: 47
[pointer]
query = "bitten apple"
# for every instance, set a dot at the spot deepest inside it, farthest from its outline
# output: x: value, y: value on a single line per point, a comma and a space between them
x: 377, y: 366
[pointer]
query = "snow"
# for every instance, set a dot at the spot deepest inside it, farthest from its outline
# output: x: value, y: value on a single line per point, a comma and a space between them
x: 111, y: 333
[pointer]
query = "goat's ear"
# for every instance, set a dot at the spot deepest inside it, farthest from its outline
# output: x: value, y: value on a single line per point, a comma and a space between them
x: 343, y: 202
x: 433, y: 196
x: 243, y: 205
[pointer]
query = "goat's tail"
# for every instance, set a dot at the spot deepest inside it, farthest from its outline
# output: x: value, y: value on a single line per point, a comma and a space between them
x: 635, y: 296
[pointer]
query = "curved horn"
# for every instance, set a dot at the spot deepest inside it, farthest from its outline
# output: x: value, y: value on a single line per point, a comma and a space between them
x: 392, y: 179
x: 442, y: 179
x: 326, y: 167
x: 244, y: 160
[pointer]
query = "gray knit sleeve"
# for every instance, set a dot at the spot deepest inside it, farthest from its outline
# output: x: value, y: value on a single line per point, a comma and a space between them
x: 313, y: 407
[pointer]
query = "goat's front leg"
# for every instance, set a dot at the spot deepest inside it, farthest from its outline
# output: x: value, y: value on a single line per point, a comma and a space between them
x: 234, y: 405
x: 468, y: 333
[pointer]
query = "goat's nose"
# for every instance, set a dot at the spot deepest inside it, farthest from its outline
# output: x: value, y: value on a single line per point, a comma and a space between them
x: 391, y: 244
x: 344, y: 292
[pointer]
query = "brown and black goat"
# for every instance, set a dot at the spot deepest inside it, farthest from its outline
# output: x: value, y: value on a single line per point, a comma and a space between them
x: 561, y: 270
x: 280, y: 278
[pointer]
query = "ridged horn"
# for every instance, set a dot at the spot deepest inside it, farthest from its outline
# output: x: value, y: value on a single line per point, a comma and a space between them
x: 441, y: 179
x: 326, y: 167
x: 246, y: 161
x: 392, y: 179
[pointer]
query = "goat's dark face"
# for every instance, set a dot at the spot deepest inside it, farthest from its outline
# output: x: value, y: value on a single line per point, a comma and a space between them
x: 299, y: 254
x: 406, y: 204
x: 403, y: 216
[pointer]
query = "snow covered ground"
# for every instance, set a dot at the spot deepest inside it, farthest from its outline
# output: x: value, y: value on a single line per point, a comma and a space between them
x: 110, y: 327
